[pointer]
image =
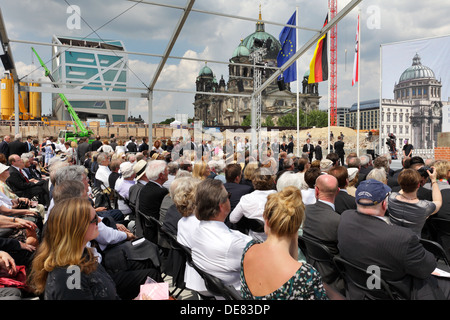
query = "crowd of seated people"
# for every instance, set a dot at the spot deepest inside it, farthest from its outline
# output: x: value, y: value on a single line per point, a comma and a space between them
x: 240, y: 215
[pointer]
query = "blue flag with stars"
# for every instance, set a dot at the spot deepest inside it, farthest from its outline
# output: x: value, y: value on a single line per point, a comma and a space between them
x: 288, y: 40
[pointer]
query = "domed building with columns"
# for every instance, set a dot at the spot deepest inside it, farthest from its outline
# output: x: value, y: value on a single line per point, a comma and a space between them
x: 224, y: 110
x: 415, y: 113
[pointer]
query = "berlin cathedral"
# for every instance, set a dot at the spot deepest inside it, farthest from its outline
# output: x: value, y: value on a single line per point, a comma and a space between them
x: 276, y: 100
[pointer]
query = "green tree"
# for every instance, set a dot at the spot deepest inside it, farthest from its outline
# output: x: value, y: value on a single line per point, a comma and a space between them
x: 268, y: 122
x: 167, y: 121
x: 247, y: 122
x: 317, y: 118
x: 290, y: 120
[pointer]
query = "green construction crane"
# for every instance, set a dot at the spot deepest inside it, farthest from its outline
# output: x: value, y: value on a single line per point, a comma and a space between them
x: 81, y: 130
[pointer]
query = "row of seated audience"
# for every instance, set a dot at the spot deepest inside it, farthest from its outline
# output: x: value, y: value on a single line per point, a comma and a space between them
x: 241, y: 222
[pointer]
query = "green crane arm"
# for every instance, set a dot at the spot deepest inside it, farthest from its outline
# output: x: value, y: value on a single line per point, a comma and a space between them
x: 81, y: 129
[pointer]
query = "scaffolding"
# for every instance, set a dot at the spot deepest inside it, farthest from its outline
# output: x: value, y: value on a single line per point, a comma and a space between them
x: 148, y: 90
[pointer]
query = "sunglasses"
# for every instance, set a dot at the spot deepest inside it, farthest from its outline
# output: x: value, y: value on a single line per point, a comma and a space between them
x: 95, y: 220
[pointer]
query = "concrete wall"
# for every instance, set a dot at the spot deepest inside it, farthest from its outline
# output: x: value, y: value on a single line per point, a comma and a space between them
x: 120, y: 132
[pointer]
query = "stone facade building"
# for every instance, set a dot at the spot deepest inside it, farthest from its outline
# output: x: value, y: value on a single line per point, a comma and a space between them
x: 224, y: 110
x: 415, y: 113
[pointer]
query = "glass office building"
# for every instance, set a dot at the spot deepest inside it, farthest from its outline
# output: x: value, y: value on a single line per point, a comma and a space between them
x: 101, y: 69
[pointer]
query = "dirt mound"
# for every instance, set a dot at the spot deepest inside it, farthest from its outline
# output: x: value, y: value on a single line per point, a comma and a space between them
x: 350, y: 137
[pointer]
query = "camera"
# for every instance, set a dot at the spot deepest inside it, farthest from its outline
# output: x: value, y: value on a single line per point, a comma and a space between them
x: 423, y: 171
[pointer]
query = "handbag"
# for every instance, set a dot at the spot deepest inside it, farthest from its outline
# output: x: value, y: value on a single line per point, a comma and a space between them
x: 19, y: 280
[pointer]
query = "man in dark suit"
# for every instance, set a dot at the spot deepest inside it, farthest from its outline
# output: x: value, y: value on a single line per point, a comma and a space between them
x: 96, y: 144
x: 17, y: 146
x: 24, y: 187
x: 321, y: 224
x: 290, y: 146
x: 131, y: 145
x: 83, y: 148
x: 144, y: 145
x: 318, y: 150
x: 308, y: 148
x: 339, y: 149
x: 343, y: 200
x: 233, y: 175
x: 151, y: 197
x: 366, y: 239
x: 4, y: 146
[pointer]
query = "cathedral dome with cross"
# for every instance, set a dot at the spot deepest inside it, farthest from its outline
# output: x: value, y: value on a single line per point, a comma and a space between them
x: 229, y: 110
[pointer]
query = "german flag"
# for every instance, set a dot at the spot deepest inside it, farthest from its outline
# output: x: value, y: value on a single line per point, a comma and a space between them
x: 318, y: 68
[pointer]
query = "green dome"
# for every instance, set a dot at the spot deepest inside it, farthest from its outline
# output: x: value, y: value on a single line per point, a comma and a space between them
x: 261, y: 34
x: 417, y: 71
x: 241, y: 51
x: 205, y: 71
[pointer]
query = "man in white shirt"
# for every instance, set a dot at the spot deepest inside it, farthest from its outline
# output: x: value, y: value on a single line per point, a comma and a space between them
x: 103, y: 170
x: 215, y: 248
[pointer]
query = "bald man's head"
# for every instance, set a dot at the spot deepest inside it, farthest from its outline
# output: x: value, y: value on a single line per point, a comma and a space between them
x: 326, y: 187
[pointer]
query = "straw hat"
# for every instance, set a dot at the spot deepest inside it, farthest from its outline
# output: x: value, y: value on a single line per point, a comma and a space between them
x: 139, y: 168
x: 325, y: 165
x: 352, y: 173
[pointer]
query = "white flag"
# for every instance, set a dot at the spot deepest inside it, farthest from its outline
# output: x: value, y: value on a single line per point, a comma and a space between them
x: 355, y: 62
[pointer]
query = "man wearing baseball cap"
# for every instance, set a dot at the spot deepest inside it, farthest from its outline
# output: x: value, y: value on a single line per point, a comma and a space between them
x: 367, y: 239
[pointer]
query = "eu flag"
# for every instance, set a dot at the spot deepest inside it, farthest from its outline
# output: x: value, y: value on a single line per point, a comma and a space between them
x: 288, y: 40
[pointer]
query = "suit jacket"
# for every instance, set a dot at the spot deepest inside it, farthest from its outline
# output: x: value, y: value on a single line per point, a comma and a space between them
x: 344, y: 201
x: 290, y: 147
x: 318, y: 152
x: 369, y: 241
x: 150, y: 199
x: 131, y: 147
x: 393, y: 179
x: 17, y: 182
x: 4, y: 148
x: 321, y: 224
x: 311, y: 150
x: 95, y: 145
x: 237, y: 191
x: 82, y: 149
x: 22, y: 188
x: 339, y: 148
x: 17, y: 147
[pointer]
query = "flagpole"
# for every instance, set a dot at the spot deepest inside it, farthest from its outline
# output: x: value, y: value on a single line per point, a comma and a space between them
x: 298, y: 88
x: 359, y: 80
x: 329, y: 82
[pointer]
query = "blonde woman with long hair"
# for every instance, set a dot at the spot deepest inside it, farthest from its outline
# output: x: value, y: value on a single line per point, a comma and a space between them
x: 64, y: 267
x: 201, y: 170
x: 284, y: 213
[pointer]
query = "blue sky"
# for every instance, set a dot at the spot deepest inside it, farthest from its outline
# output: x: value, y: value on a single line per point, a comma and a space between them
x: 148, y: 28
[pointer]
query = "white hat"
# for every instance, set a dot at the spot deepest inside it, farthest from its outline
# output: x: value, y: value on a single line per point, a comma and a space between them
x: 126, y: 169
x: 3, y: 168
x: 139, y: 168
x: 326, y: 164
x: 352, y: 173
